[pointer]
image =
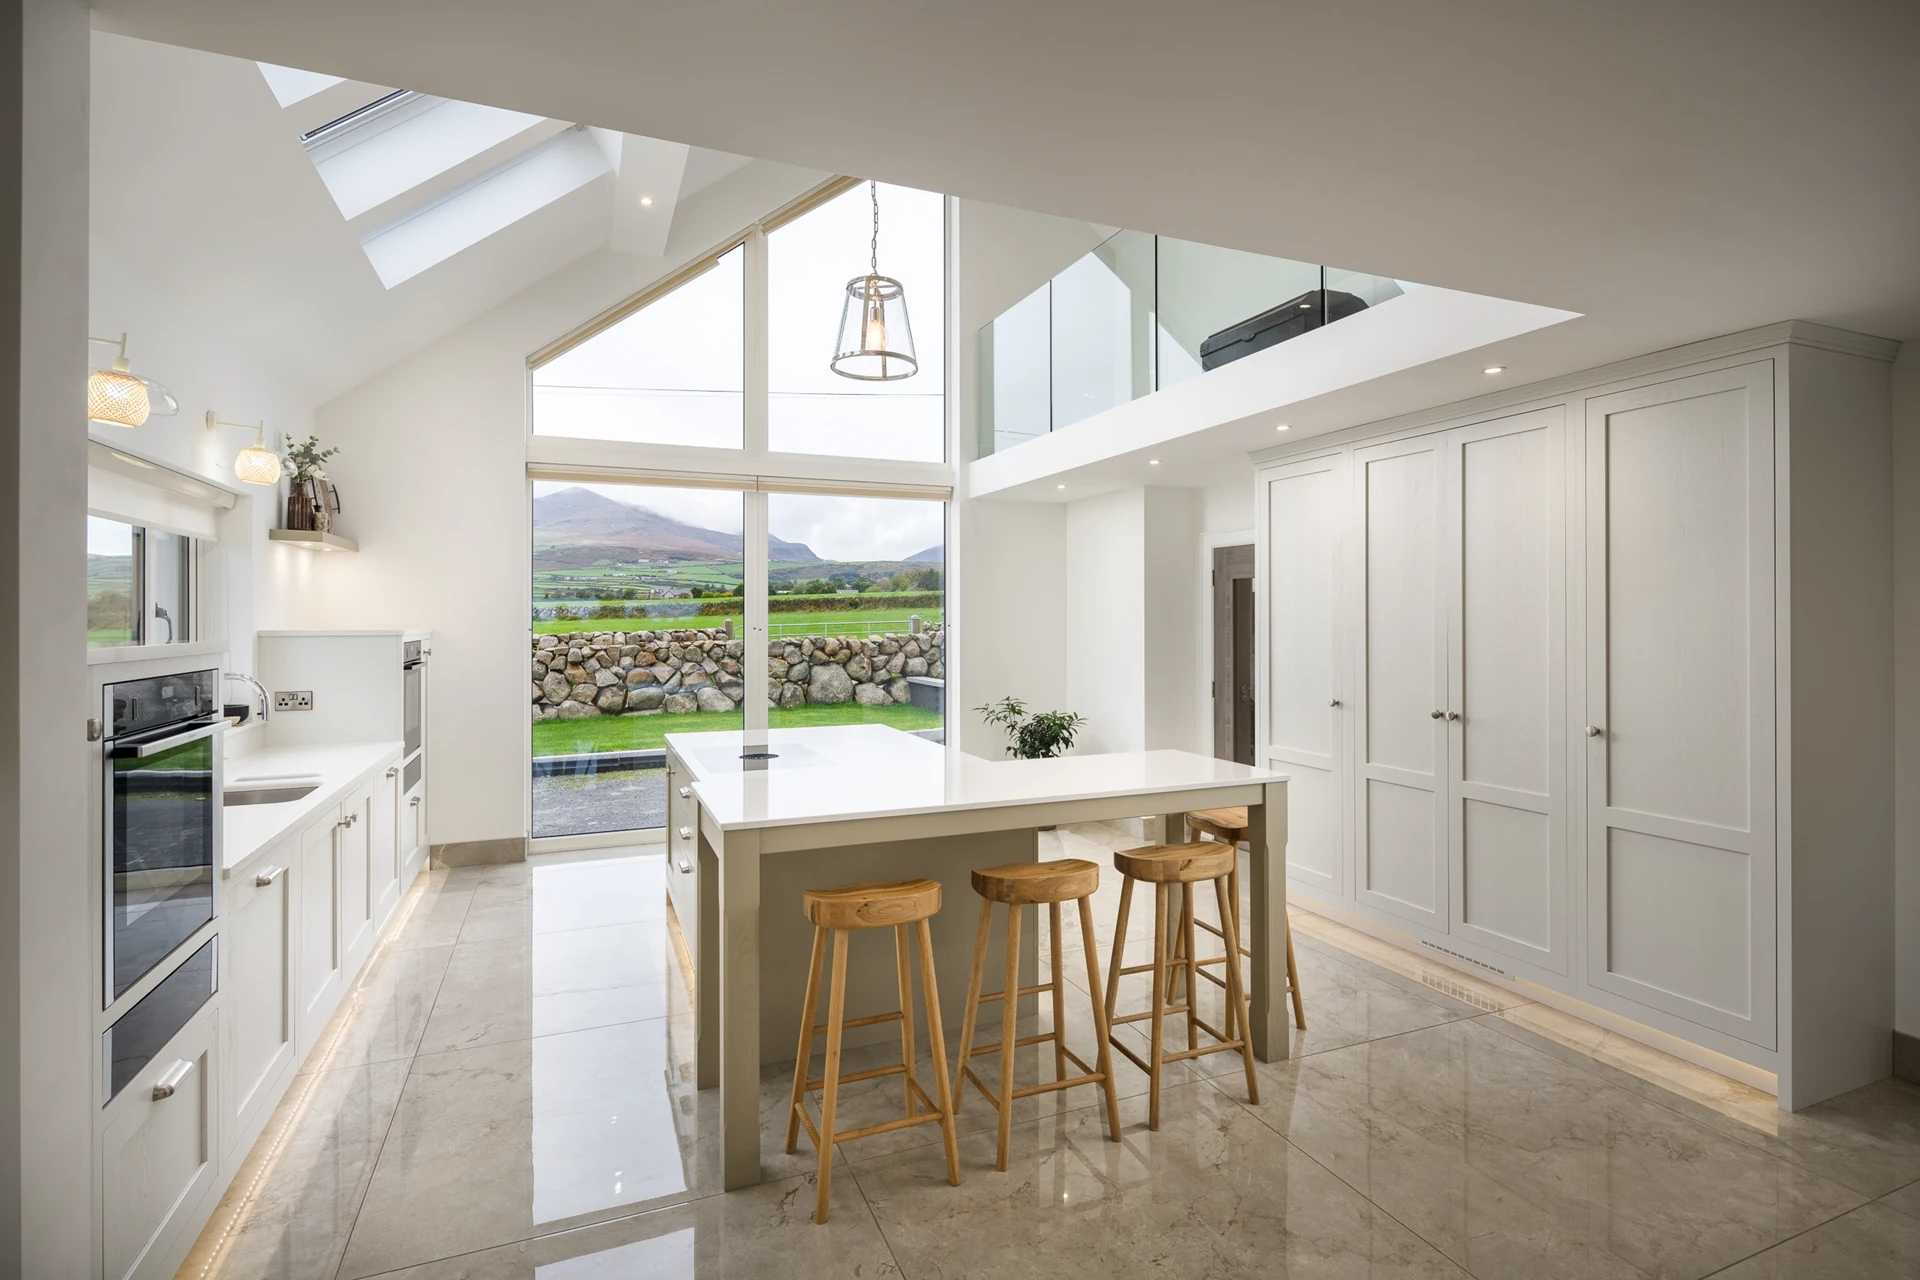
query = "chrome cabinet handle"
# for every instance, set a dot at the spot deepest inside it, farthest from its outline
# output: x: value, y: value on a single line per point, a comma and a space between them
x: 1453, y: 715
x: 414, y: 803
x: 170, y: 1079
x: 394, y: 772
x: 268, y: 876
x: 1333, y: 702
x: 686, y: 793
x: 1594, y: 731
x: 686, y: 868
x: 686, y: 833
x: 1439, y: 715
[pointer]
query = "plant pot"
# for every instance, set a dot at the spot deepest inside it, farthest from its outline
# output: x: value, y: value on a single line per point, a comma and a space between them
x: 300, y: 506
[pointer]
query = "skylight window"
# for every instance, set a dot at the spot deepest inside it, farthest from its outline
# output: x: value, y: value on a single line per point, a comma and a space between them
x: 291, y: 85
x: 373, y: 160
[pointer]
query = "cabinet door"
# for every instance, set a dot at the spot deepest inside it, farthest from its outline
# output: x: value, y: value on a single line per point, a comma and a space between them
x: 1303, y: 511
x: 1400, y: 713
x: 356, y: 880
x: 318, y: 968
x: 159, y: 1156
x: 383, y: 847
x: 1507, y: 737
x: 258, y: 951
x: 683, y: 852
x: 413, y: 835
x: 1679, y: 698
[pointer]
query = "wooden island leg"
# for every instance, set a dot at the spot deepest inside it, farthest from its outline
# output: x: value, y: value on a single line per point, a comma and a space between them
x: 1267, y: 924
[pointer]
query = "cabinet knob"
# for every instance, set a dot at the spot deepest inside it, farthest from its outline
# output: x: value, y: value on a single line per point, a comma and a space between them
x: 170, y: 1079
x: 1453, y: 715
x: 686, y: 793
x: 1594, y: 731
x: 686, y: 833
x: 1333, y: 702
x: 268, y: 876
x: 686, y: 868
x: 1439, y: 715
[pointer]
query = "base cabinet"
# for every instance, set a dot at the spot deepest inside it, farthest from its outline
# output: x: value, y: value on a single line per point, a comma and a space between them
x: 683, y: 852
x: 159, y: 1155
x: 383, y: 847
x: 319, y: 967
x: 257, y: 963
x: 412, y: 835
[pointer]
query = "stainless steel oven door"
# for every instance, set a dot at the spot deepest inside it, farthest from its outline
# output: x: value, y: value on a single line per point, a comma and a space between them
x: 161, y: 846
x: 413, y: 692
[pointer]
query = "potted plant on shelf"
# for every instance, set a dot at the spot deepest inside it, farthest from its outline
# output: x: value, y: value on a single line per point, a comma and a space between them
x: 1040, y: 735
x: 312, y: 501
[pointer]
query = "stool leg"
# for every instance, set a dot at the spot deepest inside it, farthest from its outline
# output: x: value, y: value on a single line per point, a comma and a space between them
x: 1119, y: 947
x: 1177, y: 895
x: 1293, y: 984
x: 1159, y: 1005
x: 1009, y: 1029
x: 1191, y: 966
x: 942, y: 1087
x: 1105, y: 1060
x: 804, y: 1057
x: 972, y: 1016
x: 1059, y: 997
x: 830, y: 1086
x: 1234, y: 1015
x: 902, y: 943
x: 1233, y: 989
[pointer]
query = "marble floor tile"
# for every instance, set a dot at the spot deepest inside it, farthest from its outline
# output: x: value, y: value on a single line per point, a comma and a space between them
x: 1486, y: 996
x: 292, y: 1204
x: 1212, y: 1193
x: 1515, y: 1164
x: 767, y: 1230
x: 588, y: 894
x: 430, y: 917
x: 1906, y: 1199
x: 381, y: 1017
x: 486, y: 997
x: 1871, y: 1243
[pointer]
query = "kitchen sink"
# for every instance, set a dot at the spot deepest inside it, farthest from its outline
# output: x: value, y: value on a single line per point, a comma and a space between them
x: 269, y: 795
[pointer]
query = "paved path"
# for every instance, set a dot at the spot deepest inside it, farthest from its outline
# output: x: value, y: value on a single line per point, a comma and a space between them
x: 627, y: 800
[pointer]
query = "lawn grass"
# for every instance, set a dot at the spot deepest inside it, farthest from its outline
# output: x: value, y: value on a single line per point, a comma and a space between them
x: 644, y: 733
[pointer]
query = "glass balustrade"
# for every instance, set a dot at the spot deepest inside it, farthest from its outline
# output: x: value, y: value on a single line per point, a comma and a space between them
x: 1141, y: 312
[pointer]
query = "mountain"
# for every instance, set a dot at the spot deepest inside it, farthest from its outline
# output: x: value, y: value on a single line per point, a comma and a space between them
x: 581, y: 518
x: 932, y: 555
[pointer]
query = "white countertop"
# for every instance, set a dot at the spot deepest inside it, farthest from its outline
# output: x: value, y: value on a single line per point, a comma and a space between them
x: 871, y: 771
x: 249, y: 828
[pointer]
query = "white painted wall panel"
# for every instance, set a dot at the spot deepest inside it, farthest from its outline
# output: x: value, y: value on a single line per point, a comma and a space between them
x: 1402, y: 855
x: 1678, y: 919
x: 1507, y: 561
x: 1402, y: 493
x: 1507, y: 881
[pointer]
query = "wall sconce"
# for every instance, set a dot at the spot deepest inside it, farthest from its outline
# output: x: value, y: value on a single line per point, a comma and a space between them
x: 255, y: 464
x: 118, y: 397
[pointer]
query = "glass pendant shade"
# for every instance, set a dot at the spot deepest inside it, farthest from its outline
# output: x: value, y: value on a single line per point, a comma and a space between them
x: 876, y: 338
x: 256, y: 464
x: 117, y: 398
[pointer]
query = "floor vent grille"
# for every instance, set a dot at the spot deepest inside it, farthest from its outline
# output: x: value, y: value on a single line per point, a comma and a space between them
x: 1479, y: 964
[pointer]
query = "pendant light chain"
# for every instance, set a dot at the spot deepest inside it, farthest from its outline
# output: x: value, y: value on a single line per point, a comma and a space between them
x: 873, y: 259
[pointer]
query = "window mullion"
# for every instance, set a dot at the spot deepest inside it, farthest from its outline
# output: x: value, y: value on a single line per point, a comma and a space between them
x: 754, y: 377
x: 754, y: 574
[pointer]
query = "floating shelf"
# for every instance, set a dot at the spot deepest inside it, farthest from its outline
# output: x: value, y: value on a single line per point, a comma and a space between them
x: 310, y: 540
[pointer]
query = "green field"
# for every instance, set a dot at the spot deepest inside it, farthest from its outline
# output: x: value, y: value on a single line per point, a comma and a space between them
x: 839, y: 623
x: 642, y: 733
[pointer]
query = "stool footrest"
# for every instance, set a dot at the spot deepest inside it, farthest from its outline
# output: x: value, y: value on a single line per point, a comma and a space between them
x: 1033, y: 990
x: 930, y: 1115
x: 1142, y: 1017
x: 871, y: 1020
x: 873, y: 1073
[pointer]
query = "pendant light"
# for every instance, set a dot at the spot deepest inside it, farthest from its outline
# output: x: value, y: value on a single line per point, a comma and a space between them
x: 255, y: 464
x: 876, y: 340
x: 118, y: 397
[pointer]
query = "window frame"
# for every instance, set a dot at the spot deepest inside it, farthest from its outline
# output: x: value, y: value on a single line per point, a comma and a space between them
x: 145, y: 562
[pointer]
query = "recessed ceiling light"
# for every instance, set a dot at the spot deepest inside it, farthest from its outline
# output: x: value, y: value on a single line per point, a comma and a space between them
x: 1059, y: 486
x: 1280, y: 426
x: 1495, y: 368
x: 646, y: 202
x: 1153, y: 462
x: 1306, y: 306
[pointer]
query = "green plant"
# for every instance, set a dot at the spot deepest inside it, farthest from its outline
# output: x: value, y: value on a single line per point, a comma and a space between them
x: 1041, y: 735
x: 306, y: 460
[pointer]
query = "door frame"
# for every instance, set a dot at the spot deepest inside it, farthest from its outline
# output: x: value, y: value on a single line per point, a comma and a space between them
x: 1220, y: 604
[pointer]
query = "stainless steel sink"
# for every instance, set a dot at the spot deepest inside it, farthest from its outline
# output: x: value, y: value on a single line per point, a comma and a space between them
x: 269, y: 795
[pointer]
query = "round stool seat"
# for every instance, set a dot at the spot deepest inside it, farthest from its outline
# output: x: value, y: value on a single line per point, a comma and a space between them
x: 871, y: 906
x: 1229, y: 825
x: 1019, y: 884
x: 1176, y: 863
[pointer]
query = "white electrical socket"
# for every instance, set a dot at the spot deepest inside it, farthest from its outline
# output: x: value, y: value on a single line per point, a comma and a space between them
x: 298, y: 700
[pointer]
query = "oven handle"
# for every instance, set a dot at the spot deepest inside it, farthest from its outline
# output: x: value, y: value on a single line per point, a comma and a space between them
x: 141, y: 750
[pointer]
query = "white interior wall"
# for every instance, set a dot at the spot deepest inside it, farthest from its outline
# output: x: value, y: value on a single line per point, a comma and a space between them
x: 1172, y: 575
x: 1105, y: 659
x: 1906, y: 659
x: 432, y: 475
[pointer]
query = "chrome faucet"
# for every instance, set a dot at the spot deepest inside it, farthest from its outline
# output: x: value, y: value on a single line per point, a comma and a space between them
x: 266, y: 700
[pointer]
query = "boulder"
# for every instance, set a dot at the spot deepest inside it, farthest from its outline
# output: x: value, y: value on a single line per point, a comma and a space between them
x: 871, y: 695
x: 574, y: 711
x: 576, y: 674
x: 734, y: 689
x: 605, y: 679
x: 858, y: 667
x: 799, y: 672
x: 911, y: 648
x: 937, y: 670
x: 889, y: 646
x: 547, y: 642
x: 644, y: 658
x: 791, y: 696
x: 916, y: 666
x: 711, y: 699
x: 538, y: 692
x: 776, y: 669
x: 897, y: 663
x: 639, y: 678
x: 736, y: 649
x: 612, y: 701
x: 669, y: 680
x: 628, y: 650
x: 791, y: 653
x: 680, y: 704
x: 556, y: 687
x: 647, y: 697
x: 626, y: 664
x: 692, y: 677
x: 828, y: 685
x: 899, y: 690
x: 583, y: 693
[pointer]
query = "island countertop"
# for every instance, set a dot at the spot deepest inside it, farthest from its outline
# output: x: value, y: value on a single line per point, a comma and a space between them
x: 842, y: 772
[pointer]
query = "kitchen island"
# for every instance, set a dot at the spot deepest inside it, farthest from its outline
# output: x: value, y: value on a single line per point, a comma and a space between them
x: 769, y: 813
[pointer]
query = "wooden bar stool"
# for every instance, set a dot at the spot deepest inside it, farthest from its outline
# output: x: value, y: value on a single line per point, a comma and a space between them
x: 1018, y: 885
x: 1229, y: 826
x: 839, y: 911
x: 1164, y: 866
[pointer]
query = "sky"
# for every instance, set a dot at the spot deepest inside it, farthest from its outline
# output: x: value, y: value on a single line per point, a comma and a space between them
x: 838, y: 528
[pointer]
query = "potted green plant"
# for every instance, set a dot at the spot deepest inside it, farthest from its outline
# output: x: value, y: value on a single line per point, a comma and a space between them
x: 1039, y: 735
x: 310, y: 502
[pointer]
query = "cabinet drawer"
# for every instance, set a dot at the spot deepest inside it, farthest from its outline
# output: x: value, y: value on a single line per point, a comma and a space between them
x: 159, y: 1153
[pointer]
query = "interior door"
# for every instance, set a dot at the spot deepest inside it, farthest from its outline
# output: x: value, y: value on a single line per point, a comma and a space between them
x: 1234, y: 701
x: 1300, y: 681
x: 1507, y: 737
x: 1679, y: 695
x: 1400, y: 782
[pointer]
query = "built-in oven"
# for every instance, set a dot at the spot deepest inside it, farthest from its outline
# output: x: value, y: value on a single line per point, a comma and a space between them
x: 160, y: 830
x: 413, y: 695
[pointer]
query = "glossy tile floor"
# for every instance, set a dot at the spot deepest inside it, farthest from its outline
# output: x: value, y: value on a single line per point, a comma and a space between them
x: 508, y: 1093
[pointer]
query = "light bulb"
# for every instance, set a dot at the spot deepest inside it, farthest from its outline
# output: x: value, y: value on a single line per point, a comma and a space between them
x: 873, y: 334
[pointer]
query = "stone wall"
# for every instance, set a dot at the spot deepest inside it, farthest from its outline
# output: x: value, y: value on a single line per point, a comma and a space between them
x: 594, y: 673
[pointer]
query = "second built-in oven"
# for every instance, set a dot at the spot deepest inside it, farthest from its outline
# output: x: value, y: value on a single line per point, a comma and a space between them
x: 161, y: 824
